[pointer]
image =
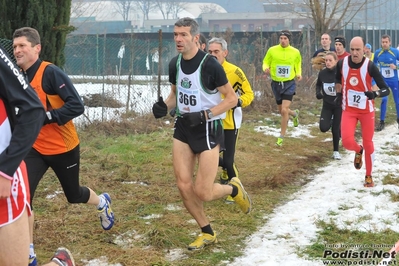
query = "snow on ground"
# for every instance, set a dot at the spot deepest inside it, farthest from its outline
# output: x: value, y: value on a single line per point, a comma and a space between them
x: 142, y: 97
x: 292, y: 226
x: 336, y: 193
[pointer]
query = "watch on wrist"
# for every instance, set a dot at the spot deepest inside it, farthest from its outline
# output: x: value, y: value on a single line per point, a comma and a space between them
x: 49, y: 115
x: 239, y: 103
x: 209, y: 113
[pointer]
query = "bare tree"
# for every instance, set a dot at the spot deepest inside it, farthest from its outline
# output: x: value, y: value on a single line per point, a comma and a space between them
x: 170, y: 8
x: 177, y: 7
x: 327, y: 15
x: 146, y: 6
x: 210, y: 8
x: 165, y: 7
x: 81, y: 8
x: 123, y: 8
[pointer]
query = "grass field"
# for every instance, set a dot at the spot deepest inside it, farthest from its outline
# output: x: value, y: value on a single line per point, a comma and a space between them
x: 133, y: 163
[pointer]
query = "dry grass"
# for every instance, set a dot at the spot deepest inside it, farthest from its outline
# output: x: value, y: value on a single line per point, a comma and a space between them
x: 132, y: 161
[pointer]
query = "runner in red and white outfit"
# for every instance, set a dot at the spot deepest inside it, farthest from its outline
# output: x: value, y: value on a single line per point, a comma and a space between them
x: 21, y: 117
x: 354, y: 89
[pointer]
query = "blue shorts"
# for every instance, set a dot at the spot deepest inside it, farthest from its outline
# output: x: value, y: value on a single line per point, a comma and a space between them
x: 283, y: 90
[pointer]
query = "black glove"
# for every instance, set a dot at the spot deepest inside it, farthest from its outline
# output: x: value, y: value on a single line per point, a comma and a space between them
x: 319, y: 95
x: 172, y: 112
x: 371, y: 94
x: 338, y: 99
x: 194, y: 119
x: 159, y: 109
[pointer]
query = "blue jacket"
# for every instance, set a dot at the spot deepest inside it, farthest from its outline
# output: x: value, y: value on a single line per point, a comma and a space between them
x: 383, y: 58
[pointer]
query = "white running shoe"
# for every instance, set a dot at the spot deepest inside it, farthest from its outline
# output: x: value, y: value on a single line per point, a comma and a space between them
x: 106, y: 214
x: 336, y: 155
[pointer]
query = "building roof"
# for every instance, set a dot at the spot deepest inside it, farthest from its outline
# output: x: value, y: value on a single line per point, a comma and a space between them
x: 235, y: 6
x: 108, y: 10
x: 91, y: 26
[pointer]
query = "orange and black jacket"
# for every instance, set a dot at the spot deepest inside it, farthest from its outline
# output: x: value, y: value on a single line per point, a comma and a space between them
x: 63, y: 103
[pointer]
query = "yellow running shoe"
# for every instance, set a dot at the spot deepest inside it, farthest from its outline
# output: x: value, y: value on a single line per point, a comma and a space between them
x: 224, y: 178
x: 295, y: 120
x: 279, y: 142
x: 242, y: 198
x: 202, y: 240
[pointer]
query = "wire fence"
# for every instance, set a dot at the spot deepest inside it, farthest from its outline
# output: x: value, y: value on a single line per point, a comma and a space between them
x: 132, y: 69
x: 117, y: 75
x: 7, y: 45
x: 149, y: 54
x: 137, y: 64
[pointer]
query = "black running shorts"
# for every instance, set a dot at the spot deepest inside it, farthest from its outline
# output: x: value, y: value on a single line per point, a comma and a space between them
x: 202, y: 137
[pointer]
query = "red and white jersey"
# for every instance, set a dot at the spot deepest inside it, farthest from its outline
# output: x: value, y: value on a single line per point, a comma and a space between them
x: 5, y: 128
x: 354, y: 83
x: 12, y: 207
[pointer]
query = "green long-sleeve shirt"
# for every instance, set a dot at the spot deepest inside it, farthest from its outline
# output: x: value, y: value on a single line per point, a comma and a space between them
x: 284, y: 63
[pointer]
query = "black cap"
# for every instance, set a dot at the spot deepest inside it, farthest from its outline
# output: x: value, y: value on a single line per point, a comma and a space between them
x: 285, y: 33
x: 341, y: 40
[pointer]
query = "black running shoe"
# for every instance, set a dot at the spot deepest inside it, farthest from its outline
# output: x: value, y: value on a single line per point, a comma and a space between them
x: 380, y: 126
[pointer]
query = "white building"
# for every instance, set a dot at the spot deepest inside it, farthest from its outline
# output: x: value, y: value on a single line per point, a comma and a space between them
x: 89, y: 11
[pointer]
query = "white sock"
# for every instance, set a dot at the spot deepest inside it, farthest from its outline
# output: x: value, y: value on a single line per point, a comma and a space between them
x: 102, y: 203
x: 31, y: 251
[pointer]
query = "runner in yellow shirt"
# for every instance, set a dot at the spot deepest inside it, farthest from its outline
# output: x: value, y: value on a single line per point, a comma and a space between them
x: 283, y: 63
x: 232, y: 122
